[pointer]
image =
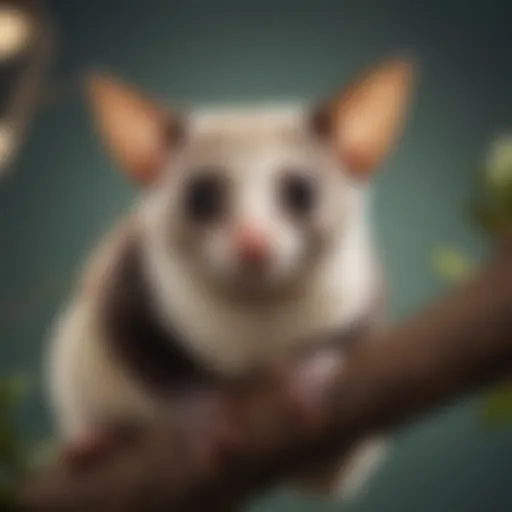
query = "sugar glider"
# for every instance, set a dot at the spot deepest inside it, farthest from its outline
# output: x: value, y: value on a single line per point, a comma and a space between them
x: 251, y: 237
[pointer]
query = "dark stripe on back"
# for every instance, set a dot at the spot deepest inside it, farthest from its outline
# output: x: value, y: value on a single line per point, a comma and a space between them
x: 137, y: 337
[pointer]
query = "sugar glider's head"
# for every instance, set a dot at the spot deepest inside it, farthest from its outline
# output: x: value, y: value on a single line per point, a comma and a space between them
x: 251, y: 200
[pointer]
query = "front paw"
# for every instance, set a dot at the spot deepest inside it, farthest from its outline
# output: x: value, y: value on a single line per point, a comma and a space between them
x: 91, y: 449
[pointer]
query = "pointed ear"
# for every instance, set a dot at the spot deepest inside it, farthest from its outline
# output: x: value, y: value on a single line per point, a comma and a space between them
x: 364, y: 121
x: 136, y: 131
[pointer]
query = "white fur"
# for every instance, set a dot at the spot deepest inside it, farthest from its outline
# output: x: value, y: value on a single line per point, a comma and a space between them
x: 87, y: 386
x: 87, y: 383
x: 232, y: 339
x: 342, y: 290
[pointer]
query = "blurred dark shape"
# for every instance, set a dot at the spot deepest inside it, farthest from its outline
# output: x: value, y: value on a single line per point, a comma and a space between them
x: 25, y: 50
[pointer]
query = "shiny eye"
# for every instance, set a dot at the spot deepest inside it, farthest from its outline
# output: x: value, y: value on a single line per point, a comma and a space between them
x: 205, y: 197
x: 298, y: 193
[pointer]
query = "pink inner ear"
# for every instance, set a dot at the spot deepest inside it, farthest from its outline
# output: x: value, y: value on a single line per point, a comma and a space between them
x: 356, y: 163
x: 135, y: 129
x: 369, y: 115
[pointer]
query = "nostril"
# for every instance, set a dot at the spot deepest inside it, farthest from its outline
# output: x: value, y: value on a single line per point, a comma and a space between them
x: 252, y: 254
x: 251, y: 246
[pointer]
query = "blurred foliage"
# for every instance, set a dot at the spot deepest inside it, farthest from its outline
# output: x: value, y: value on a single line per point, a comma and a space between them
x: 491, y: 207
x: 497, y: 409
x: 13, y: 450
x: 452, y: 265
x: 491, y: 211
x: 16, y: 456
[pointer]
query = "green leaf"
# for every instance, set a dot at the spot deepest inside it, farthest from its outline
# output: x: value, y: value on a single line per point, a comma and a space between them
x: 497, y: 408
x: 7, y: 500
x: 14, y: 389
x: 491, y: 207
x: 12, y: 449
x: 452, y: 265
x: 43, y: 453
x: 499, y: 162
x: 492, y: 214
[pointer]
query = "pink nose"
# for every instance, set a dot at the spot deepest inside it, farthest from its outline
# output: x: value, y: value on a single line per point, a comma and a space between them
x: 251, y: 245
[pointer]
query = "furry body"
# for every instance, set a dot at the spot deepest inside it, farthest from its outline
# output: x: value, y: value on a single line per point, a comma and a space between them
x: 98, y: 376
x: 224, y: 336
x: 252, y: 238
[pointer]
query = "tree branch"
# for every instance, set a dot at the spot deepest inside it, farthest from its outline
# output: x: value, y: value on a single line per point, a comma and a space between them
x: 287, y: 417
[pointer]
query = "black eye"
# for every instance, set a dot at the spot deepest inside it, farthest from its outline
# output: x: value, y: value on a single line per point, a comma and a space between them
x: 298, y: 193
x: 205, y: 197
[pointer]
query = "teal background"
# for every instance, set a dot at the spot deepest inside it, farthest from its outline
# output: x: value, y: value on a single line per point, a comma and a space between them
x: 63, y: 191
